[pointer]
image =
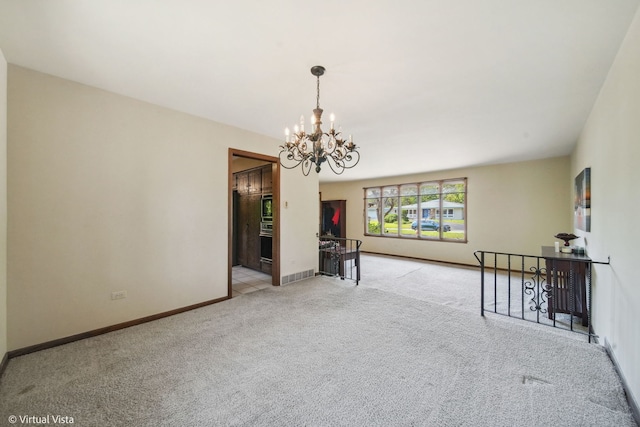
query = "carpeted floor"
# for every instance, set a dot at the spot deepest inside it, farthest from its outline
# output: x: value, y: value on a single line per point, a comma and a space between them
x: 322, y: 352
x: 458, y: 287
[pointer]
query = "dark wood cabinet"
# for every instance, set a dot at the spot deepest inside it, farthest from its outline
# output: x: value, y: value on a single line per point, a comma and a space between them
x: 267, y: 180
x: 333, y: 218
x: 248, y: 252
x: 249, y: 182
x: 567, y: 278
x: 255, y: 181
x: 241, y: 182
x: 249, y: 243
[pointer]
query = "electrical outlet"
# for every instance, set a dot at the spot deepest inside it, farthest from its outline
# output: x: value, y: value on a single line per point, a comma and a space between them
x: 119, y: 295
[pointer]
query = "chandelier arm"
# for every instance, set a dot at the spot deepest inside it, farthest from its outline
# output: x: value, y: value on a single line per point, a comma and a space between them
x: 306, y: 167
x: 331, y: 144
x: 350, y: 157
x: 335, y: 165
x: 295, y: 157
x: 347, y: 160
x: 290, y: 167
x: 294, y: 154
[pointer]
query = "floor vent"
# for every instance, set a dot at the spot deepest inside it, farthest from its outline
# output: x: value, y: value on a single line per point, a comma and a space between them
x: 297, y: 276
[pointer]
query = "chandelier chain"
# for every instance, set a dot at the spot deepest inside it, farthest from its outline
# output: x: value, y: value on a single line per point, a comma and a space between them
x: 318, y: 92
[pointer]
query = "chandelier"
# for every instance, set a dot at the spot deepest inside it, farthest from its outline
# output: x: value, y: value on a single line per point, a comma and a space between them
x: 318, y: 147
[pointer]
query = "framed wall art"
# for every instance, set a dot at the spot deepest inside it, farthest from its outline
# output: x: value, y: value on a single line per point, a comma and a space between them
x: 582, y: 204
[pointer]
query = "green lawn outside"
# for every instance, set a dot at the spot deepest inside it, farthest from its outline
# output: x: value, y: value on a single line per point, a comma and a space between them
x: 392, y: 227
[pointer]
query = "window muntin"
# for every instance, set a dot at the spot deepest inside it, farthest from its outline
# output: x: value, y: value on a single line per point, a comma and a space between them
x: 433, y: 210
x: 408, y: 209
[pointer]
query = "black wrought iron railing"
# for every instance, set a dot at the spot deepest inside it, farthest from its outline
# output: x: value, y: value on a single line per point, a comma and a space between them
x: 546, y: 290
x: 339, y: 257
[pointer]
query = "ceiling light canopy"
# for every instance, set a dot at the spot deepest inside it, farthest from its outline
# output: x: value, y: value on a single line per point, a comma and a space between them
x: 318, y: 147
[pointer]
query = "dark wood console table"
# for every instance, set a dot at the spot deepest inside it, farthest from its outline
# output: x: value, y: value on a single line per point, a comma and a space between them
x: 567, y: 276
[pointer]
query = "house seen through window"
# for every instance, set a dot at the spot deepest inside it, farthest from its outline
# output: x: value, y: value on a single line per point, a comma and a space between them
x: 433, y: 210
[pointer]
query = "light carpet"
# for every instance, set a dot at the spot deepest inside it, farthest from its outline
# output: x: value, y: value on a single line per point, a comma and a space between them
x: 459, y: 287
x: 321, y: 352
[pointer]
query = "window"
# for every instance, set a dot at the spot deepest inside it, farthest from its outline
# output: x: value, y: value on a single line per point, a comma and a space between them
x: 433, y: 210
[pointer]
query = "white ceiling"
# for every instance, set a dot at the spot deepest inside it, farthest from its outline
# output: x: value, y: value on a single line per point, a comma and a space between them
x: 422, y: 85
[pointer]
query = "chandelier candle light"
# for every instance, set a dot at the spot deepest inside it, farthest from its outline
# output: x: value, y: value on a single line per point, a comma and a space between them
x: 317, y: 147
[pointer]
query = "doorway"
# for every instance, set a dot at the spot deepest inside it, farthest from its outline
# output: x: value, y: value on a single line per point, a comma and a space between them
x: 254, y: 221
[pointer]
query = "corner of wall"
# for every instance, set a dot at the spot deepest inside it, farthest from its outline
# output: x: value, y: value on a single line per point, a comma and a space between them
x: 3, y: 212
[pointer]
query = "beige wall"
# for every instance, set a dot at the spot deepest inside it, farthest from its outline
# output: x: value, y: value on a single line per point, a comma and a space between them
x: 514, y: 207
x: 107, y: 193
x: 3, y: 205
x: 610, y: 145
